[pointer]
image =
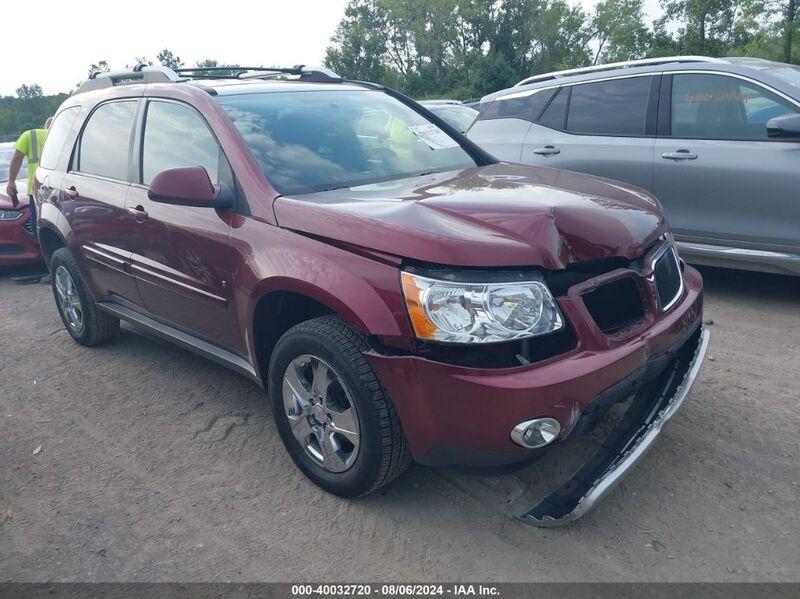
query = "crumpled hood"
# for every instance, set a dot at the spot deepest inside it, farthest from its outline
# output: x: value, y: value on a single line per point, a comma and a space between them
x: 498, y: 215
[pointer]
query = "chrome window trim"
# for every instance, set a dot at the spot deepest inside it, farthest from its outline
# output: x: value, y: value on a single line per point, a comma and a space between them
x: 756, y: 82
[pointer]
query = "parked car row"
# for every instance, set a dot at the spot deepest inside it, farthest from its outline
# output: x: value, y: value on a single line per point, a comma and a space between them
x: 717, y: 141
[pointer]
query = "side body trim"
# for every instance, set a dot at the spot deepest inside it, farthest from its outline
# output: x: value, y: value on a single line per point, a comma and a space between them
x: 184, y: 340
x: 733, y: 257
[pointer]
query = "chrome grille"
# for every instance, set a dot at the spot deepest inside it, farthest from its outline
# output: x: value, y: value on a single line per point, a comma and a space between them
x: 668, y: 278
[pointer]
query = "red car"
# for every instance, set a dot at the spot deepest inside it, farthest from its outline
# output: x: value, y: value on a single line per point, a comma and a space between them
x: 400, y: 293
x: 17, y: 244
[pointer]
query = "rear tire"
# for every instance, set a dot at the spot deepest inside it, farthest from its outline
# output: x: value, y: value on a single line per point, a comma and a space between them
x: 84, y: 321
x: 355, y: 462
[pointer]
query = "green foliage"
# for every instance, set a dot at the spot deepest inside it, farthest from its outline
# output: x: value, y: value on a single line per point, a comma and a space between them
x: 99, y: 67
x: 466, y: 48
x: 29, y: 110
x: 168, y: 59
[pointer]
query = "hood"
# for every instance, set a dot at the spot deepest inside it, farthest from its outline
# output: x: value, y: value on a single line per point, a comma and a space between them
x: 498, y: 215
x: 5, y: 201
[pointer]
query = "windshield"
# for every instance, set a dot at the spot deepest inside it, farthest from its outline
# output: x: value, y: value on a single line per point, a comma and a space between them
x: 314, y: 140
x: 460, y: 117
x: 6, y: 154
x: 788, y: 73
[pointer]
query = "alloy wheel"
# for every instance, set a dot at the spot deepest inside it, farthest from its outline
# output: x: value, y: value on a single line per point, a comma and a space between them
x: 321, y: 413
x: 69, y: 302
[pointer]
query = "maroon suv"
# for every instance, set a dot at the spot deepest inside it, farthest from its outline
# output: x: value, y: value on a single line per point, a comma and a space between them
x: 401, y: 294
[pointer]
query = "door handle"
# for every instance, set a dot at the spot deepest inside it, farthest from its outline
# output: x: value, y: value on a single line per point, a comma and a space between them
x: 138, y: 213
x: 679, y: 155
x: 547, y: 151
x: 71, y: 193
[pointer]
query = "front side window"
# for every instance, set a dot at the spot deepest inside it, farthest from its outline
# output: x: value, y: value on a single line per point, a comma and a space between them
x: 175, y: 136
x: 313, y: 140
x: 105, y: 141
x: 721, y: 107
x: 56, y: 136
x: 614, y: 107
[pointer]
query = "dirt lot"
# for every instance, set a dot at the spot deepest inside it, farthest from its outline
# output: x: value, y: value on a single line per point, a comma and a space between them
x: 156, y: 465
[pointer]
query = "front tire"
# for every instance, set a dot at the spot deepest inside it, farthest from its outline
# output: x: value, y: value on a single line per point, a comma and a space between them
x: 84, y: 321
x: 334, y: 416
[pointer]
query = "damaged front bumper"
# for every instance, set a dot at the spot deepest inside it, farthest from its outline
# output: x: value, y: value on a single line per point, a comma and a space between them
x: 655, y: 401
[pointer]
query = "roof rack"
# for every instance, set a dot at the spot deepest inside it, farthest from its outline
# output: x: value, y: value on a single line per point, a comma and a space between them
x: 311, y: 74
x: 143, y: 73
x: 618, y: 65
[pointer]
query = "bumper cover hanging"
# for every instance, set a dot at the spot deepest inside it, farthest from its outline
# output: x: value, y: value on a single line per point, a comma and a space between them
x: 654, y: 403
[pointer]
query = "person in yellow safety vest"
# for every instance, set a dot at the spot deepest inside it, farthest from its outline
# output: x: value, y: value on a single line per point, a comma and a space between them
x: 29, y: 145
x: 402, y: 140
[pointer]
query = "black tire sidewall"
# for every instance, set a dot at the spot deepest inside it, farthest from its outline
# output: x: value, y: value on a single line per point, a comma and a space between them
x: 360, y: 477
x: 62, y: 258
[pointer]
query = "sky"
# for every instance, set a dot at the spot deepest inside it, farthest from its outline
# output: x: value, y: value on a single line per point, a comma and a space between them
x: 74, y: 34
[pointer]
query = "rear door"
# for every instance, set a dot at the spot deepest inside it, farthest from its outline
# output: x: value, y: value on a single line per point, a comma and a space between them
x: 604, y: 128
x: 181, y: 257
x: 719, y: 177
x: 93, y: 193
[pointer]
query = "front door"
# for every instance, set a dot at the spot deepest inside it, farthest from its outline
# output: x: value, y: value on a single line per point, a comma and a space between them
x: 181, y: 257
x: 721, y: 180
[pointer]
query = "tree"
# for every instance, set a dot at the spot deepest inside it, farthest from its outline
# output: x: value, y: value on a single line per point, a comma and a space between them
x: 168, y: 59
x: 209, y: 62
x: 99, y: 67
x: 619, y: 31
x: 789, y: 25
x: 358, y: 47
x: 466, y: 48
x: 27, y: 92
x: 710, y: 27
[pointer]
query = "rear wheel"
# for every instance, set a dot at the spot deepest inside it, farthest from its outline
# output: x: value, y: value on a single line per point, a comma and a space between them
x: 87, y: 324
x: 335, y: 418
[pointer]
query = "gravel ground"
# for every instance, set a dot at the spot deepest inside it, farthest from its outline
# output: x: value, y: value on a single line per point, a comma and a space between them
x: 156, y: 465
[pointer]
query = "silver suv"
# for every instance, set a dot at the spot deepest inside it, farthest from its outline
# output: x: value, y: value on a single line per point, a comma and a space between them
x: 716, y: 140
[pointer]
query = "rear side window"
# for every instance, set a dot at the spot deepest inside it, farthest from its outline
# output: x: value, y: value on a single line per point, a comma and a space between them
x: 176, y: 136
x: 614, y: 107
x: 56, y: 136
x: 526, y: 108
x: 106, y: 139
x: 555, y: 114
x: 722, y: 107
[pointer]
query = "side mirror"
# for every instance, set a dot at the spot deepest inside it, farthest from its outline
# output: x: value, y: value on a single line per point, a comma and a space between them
x: 185, y: 186
x: 784, y: 127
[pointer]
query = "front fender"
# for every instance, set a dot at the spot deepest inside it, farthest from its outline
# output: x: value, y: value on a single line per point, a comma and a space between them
x: 366, y: 293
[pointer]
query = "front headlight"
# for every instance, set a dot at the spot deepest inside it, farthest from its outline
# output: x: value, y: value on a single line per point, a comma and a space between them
x: 10, y: 214
x: 456, y: 312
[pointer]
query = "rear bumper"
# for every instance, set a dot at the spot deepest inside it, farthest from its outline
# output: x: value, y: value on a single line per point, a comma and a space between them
x: 455, y: 415
x: 17, y: 246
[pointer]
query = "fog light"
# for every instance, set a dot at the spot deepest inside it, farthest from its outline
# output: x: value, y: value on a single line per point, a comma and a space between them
x: 536, y: 433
